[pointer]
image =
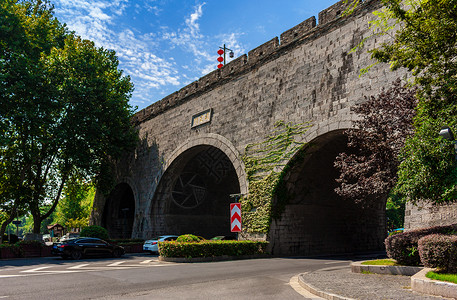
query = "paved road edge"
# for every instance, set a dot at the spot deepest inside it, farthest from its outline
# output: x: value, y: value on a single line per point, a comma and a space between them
x: 424, y: 285
x: 310, y: 288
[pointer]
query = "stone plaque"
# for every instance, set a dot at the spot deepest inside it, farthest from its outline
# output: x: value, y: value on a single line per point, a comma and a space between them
x: 202, y: 118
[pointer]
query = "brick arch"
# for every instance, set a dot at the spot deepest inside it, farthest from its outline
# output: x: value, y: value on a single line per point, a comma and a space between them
x: 320, y: 129
x: 218, y: 142
x: 131, y: 183
x: 117, y: 201
x: 315, y: 219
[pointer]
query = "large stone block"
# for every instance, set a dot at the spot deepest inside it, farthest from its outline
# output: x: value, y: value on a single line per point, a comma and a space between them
x: 298, y: 31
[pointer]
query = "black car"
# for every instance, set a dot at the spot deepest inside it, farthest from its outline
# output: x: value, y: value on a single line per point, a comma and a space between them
x: 85, y: 246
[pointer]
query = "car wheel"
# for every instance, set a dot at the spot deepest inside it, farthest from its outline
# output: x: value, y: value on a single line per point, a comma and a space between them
x: 117, y: 253
x: 75, y: 254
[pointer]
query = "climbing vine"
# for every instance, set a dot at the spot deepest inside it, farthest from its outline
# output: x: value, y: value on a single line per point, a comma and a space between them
x: 266, y: 165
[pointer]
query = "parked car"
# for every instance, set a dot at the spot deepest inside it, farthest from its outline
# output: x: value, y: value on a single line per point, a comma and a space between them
x: 152, y: 244
x: 82, y: 247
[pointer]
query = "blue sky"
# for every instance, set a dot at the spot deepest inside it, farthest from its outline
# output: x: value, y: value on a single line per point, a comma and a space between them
x: 166, y: 44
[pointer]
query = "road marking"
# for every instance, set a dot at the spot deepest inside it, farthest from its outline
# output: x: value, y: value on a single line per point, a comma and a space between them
x: 42, y: 270
x: 77, y: 267
x: 146, y: 261
x: 35, y: 270
x: 116, y: 264
x: 87, y: 268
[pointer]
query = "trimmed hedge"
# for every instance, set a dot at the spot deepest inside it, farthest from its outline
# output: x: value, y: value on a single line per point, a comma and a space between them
x: 188, y: 238
x: 403, y: 247
x: 24, y: 249
x: 211, y: 248
x: 439, y: 251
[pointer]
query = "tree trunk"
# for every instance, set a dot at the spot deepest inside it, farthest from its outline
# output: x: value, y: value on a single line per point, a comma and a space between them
x: 36, y: 220
x: 36, y: 213
x: 5, y: 223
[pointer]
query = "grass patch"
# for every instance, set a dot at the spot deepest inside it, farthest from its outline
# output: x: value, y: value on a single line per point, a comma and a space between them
x: 381, y: 262
x: 441, y: 276
x: 366, y: 272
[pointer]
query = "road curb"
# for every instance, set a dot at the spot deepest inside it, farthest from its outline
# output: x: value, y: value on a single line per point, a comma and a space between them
x: 210, y: 259
x: 424, y: 285
x: 310, y: 288
x: 358, y: 267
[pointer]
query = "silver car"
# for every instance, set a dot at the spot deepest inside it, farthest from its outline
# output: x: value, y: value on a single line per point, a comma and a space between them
x: 152, y: 244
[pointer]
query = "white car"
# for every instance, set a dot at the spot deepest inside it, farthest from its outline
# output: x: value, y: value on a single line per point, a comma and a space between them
x: 152, y: 244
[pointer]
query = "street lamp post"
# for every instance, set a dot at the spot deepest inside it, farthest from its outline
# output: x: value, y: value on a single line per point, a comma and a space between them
x: 446, y: 133
x: 222, y: 51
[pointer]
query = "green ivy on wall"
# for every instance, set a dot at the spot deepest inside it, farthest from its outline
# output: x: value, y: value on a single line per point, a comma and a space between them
x: 266, y: 164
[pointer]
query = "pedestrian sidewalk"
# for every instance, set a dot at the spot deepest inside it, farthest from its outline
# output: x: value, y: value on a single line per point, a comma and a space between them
x: 341, y: 283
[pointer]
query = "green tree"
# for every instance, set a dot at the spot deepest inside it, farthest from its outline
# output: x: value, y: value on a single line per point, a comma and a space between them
x: 64, y: 106
x: 24, y: 31
x: 426, y: 44
x: 73, y: 210
x: 424, y: 37
x: 378, y: 136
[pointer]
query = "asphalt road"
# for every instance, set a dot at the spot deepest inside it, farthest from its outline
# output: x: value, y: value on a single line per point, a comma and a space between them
x: 144, y: 277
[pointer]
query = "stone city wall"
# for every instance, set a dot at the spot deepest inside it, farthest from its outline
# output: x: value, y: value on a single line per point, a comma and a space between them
x: 309, y: 74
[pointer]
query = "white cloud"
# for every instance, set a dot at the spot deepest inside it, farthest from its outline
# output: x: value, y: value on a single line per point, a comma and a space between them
x: 192, y: 21
x: 152, y: 59
x: 97, y: 13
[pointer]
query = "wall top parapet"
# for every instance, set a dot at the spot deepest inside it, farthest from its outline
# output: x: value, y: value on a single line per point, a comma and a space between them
x: 329, y: 20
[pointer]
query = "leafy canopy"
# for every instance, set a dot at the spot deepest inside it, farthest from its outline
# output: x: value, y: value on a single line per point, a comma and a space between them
x: 424, y: 37
x: 426, y: 44
x: 64, y: 108
x: 385, y: 121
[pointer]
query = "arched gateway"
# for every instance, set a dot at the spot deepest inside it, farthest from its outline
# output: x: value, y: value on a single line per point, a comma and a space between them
x: 193, y: 141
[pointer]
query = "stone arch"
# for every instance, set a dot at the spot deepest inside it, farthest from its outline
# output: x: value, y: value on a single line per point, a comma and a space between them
x: 193, y: 194
x: 120, y: 209
x: 222, y: 144
x: 316, y: 220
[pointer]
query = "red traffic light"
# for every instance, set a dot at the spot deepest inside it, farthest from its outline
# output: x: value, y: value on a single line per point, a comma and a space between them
x: 220, y: 51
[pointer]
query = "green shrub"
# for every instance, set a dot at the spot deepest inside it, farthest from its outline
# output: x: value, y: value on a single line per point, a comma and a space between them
x: 95, y: 231
x: 403, y: 247
x: 15, y: 248
x: 188, y: 238
x: 32, y: 243
x: 211, y: 248
x: 439, y: 251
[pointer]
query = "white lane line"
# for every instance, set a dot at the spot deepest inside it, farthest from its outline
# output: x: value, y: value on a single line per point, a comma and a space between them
x: 42, y: 270
x: 8, y: 276
x: 35, y: 270
x: 116, y: 264
x: 57, y: 272
x: 146, y: 261
x: 77, y: 267
x: 1, y: 297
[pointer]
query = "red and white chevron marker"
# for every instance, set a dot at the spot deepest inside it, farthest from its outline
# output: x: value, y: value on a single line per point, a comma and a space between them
x: 235, y: 217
